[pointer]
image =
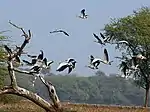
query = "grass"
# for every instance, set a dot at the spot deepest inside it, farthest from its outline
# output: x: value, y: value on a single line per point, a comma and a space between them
x: 27, y: 106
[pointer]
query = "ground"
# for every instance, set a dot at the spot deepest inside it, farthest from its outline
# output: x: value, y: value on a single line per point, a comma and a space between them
x: 27, y: 106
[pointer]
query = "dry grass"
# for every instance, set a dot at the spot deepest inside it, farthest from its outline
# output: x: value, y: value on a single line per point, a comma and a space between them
x: 27, y: 106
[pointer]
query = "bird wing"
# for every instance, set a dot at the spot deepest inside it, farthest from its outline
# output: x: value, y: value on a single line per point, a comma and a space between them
x: 102, y: 36
x: 54, y: 31
x: 66, y: 33
x: 106, y: 55
x: 40, y: 56
x: 62, y: 66
x: 50, y: 63
x: 91, y: 58
x: 45, y: 61
x: 97, y: 38
x: 31, y: 56
x: 69, y: 69
x: 27, y: 62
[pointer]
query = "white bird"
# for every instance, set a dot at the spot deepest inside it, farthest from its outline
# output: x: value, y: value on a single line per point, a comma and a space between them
x: 97, y: 61
x: 70, y: 64
x: 62, y: 66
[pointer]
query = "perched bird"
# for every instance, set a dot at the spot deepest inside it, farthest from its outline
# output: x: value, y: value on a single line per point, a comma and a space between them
x: 56, y: 31
x: 124, y: 68
x: 34, y: 59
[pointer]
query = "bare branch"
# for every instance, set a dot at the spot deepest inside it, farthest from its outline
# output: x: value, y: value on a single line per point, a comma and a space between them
x: 52, y: 93
x: 29, y: 95
x: 24, y: 71
x: 27, y: 38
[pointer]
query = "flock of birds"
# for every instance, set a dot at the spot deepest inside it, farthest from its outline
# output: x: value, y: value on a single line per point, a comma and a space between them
x: 39, y: 63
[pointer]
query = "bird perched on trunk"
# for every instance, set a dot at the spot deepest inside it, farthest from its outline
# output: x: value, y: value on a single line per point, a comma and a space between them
x: 56, y: 31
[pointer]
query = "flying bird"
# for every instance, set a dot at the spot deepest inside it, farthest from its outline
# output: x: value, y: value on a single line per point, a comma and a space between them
x: 97, y: 61
x: 98, y: 39
x: 63, y: 65
x: 105, y: 39
x: 83, y: 15
x: 56, y: 31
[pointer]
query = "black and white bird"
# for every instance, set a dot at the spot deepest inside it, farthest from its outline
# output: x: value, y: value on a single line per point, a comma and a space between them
x: 98, y: 39
x: 105, y: 39
x: 34, y: 59
x: 83, y: 15
x: 56, y: 31
x: 67, y: 64
x: 97, y: 61
x: 70, y: 60
x: 47, y: 63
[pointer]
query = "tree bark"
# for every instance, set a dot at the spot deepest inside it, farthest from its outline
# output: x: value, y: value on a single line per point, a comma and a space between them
x: 146, y: 97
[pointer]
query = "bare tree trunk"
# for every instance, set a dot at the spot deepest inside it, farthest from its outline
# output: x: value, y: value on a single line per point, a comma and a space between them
x: 146, y: 97
x: 13, y: 88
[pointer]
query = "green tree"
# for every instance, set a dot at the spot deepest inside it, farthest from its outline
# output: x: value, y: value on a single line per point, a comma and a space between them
x: 3, y: 70
x: 135, y: 29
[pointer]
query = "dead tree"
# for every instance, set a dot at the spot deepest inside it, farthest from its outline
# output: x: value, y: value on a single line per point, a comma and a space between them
x: 13, y: 88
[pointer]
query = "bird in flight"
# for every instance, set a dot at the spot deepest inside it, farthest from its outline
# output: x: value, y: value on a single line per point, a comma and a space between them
x: 97, y: 61
x: 83, y: 15
x: 56, y: 31
x: 69, y: 63
x: 102, y: 41
x: 98, y: 39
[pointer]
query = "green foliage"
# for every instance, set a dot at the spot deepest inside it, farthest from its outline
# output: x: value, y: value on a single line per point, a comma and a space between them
x: 135, y: 29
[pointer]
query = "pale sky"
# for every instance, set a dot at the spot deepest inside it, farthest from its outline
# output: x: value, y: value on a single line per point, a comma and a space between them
x: 43, y: 16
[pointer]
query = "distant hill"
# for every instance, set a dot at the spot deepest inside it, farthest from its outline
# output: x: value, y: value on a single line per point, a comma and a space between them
x: 98, y: 89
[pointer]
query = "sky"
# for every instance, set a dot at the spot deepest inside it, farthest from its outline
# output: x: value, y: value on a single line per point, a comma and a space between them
x: 43, y: 16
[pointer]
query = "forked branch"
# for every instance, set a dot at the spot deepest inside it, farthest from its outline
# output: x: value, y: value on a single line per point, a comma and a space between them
x: 15, y: 89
